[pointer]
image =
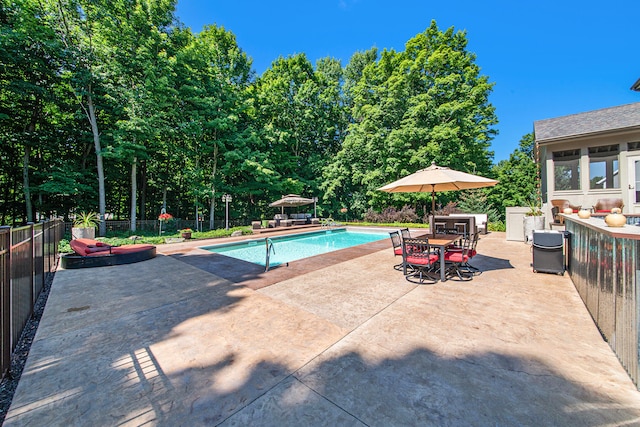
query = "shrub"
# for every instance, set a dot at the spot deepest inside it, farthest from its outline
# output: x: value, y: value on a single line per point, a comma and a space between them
x: 390, y: 215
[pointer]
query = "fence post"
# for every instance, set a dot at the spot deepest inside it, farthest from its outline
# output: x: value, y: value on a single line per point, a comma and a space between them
x: 5, y: 299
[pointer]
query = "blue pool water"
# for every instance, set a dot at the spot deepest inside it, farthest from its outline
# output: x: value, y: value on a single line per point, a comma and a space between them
x: 291, y: 248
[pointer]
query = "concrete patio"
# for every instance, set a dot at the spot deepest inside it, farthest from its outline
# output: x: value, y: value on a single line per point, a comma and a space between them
x: 193, y: 339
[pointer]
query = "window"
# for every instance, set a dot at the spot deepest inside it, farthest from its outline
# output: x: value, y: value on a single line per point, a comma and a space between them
x: 604, y: 171
x: 633, y: 146
x: 566, y: 170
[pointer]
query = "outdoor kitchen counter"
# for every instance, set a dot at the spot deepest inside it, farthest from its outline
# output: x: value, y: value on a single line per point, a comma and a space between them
x: 628, y: 231
x: 603, y: 263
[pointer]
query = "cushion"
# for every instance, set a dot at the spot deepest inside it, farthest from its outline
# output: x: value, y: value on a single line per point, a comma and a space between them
x: 92, y: 249
x: 422, y: 260
x: 455, y: 257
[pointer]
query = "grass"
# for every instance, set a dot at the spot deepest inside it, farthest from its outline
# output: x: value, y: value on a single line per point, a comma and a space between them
x: 125, y: 238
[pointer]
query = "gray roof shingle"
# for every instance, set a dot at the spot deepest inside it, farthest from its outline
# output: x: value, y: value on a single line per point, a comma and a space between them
x: 591, y: 122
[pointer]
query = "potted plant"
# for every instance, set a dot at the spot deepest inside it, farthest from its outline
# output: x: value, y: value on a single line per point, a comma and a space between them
x: 84, y: 226
x: 533, y: 220
x: 186, y: 233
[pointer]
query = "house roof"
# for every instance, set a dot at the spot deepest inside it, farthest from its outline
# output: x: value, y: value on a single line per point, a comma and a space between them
x: 623, y: 117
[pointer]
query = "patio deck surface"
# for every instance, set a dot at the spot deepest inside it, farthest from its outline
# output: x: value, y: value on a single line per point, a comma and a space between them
x: 191, y: 338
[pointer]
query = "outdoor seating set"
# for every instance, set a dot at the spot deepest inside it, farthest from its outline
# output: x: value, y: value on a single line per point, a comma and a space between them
x: 284, y: 220
x: 429, y: 258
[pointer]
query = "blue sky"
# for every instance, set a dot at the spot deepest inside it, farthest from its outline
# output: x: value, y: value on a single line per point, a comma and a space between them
x: 546, y: 58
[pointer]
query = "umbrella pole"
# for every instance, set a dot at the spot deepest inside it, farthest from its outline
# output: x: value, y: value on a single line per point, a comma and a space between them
x: 432, y: 220
x: 433, y: 199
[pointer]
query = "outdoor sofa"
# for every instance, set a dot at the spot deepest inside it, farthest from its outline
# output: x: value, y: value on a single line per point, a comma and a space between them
x: 93, y: 253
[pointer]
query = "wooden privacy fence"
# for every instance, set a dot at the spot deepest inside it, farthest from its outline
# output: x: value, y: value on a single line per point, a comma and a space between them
x: 604, y: 266
x: 28, y: 255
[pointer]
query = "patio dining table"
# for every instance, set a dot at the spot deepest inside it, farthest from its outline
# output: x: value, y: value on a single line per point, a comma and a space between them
x: 441, y: 241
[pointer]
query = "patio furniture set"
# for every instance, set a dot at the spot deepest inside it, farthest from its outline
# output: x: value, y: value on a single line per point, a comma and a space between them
x: 430, y: 258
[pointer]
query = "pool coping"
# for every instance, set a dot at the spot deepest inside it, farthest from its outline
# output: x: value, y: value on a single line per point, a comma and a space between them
x: 252, y: 275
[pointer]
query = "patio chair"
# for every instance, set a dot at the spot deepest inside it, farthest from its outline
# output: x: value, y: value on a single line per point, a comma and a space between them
x: 420, y: 263
x: 457, y: 260
x: 396, y: 242
x: 605, y: 205
x: 558, y: 206
x: 465, y: 266
x: 405, y: 233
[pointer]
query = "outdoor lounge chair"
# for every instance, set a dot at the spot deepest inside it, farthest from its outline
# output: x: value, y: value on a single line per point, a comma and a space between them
x: 419, y: 262
x: 93, y: 253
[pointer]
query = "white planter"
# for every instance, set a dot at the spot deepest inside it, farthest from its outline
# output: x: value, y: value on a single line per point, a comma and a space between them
x: 529, y: 224
x: 83, y: 233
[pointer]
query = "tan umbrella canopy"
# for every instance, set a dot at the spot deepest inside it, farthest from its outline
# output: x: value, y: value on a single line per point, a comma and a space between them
x: 291, y: 201
x: 437, y: 178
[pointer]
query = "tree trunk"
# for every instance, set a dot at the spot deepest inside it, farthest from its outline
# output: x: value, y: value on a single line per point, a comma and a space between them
x: 134, y: 195
x: 143, y: 191
x: 212, y: 214
x: 102, y: 228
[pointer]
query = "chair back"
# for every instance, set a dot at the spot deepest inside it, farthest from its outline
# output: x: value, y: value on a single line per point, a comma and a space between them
x: 417, y: 252
x: 396, y: 240
x: 474, y: 243
x: 405, y: 233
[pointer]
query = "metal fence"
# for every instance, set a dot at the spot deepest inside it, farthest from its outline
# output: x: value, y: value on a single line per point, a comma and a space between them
x: 606, y: 271
x: 28, y: 255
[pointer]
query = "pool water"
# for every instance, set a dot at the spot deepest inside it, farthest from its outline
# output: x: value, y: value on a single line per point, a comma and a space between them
x: 292, y: 248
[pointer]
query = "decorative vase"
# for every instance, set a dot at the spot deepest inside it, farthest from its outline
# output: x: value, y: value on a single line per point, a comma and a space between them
x: 584, y: 213
x: 615, y: 219
x: 567, y: 211
x: 186, y: 235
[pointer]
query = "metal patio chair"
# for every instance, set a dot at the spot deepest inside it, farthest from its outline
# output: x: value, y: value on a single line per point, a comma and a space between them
x: 420, y: 263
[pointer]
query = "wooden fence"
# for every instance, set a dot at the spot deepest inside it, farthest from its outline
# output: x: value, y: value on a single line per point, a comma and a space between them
x: 28, y: 256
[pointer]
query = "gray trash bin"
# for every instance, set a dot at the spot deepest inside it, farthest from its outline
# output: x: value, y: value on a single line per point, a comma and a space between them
x: 548, y: 251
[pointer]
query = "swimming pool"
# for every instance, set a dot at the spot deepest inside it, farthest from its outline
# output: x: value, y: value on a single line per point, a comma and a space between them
x: 295, y: 247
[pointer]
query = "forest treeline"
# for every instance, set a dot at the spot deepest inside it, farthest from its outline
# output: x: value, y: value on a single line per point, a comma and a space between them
x: 114, y: 106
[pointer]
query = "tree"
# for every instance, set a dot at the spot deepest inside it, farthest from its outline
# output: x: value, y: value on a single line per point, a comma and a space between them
x: 428, y: 103
x: 518, y: 177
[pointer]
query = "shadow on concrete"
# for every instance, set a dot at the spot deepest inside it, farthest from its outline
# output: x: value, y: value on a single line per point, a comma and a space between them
x: 419, y: 388
x: 489, y: 263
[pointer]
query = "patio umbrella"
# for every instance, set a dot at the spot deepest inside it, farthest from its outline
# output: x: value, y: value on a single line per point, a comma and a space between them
x: 437, y: 178
x: 291, y: 201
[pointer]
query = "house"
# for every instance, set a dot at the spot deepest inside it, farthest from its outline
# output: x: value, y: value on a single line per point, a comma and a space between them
x: 588, y: 156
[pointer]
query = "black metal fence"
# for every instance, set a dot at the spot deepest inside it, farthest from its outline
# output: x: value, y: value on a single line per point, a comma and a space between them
x: 28, y: 255
x: 605, y: 270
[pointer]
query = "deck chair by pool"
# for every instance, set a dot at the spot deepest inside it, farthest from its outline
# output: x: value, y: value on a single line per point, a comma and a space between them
x: 419, y: 262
